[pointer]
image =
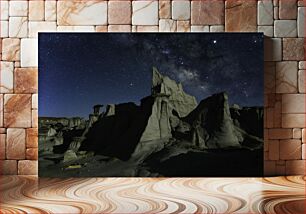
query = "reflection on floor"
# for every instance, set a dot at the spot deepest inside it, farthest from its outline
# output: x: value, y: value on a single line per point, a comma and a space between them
x: 139, y: 195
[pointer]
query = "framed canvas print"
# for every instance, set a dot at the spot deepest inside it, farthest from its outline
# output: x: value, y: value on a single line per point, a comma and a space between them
x: 150, y: 104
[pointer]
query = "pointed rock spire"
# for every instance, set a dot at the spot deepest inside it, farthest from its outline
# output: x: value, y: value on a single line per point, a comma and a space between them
x: 182, y: 102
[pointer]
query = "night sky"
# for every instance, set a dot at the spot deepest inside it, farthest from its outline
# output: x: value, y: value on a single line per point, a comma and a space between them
x: 79, y: 70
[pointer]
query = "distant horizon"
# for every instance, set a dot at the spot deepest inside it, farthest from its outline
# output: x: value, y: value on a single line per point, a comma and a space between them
x: 80, y: 70
x: 138, y: 104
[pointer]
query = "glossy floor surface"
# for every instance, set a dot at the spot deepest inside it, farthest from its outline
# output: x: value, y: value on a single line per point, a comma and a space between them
x: 153, y: 195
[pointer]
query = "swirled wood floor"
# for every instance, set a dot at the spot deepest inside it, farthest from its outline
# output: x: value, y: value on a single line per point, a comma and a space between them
x: 139, y: 195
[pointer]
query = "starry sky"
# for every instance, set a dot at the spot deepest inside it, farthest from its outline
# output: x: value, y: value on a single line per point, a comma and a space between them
x: 79, y: 70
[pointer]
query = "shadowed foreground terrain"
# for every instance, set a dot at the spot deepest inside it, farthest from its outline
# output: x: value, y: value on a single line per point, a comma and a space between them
x: 168, y: 134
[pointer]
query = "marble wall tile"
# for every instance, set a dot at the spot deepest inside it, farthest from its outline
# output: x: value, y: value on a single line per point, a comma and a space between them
x: 303, y: 151
x: 265, y: 12
x: 145, y: 12
x: 275, y: 13
x: 17, y: 110
x: 286, y: 77
x: 1, y: 110
x: 6, y: 77
x: 74, y: 12
x: 4, y: 29
x: 293, y: 49
x: 285, y: 28
x: 101, y: 28
x: 75, y: 29
x: 241, y: 15
x: 301, y: 3
x: 290, y: 149
x: 17, y: 64
x: 293, y: 120
x: 301, y: 22
x: 183, y: 26
x: 146, y: 28
x: 2, y: 146
x: 11, y: 49
x: 293, y: 103
x: 15, y: 143
x: 50, y: 10
x: 199, y: 28
x: 32, y: 138
x: 297, y: 133
x: 35, y: 118
x: 301, y: 81
x: 119, y: 12
x: 18, y: 8
x: 287, y: 9
x: 18, y: 27
x: 304, y: 135
x: 4, y: 10
x: 266, y: 30
x: 167, y: 25
x: 8, y: 167
x: 29, y: 53
x: 37, y: 26
x: 134, y: 28
x: 165, y: 9
x: 207, y: 12
x: 216, y: 28
x: 1, y: 46
x: 26, y: 80
x: 34, y: 101
x: 180, y: 10
x: 32, y: 154
x: 27, y: 167
x: 36, y: 10
x: 119, y: 28
x: 302, y: 65
x: 280, y: 133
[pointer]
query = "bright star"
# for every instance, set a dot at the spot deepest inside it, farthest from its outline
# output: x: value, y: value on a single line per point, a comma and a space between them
x: 215, y: 41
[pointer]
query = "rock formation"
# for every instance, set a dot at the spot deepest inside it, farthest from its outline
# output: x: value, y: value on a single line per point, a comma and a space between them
x: 110, y: 110
x: 97, y: 109
x: 212, y: 125
x: 169, y: 97
x: 118, y: 135
x: 152, y: 120
x: 158, y: 125
x: 249, y: 119
x: 180, y: 101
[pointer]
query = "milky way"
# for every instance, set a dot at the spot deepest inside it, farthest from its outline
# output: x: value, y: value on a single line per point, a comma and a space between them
x: 78, y: 70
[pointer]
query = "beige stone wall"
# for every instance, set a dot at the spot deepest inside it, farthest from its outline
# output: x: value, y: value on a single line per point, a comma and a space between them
x: 281, y: 20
